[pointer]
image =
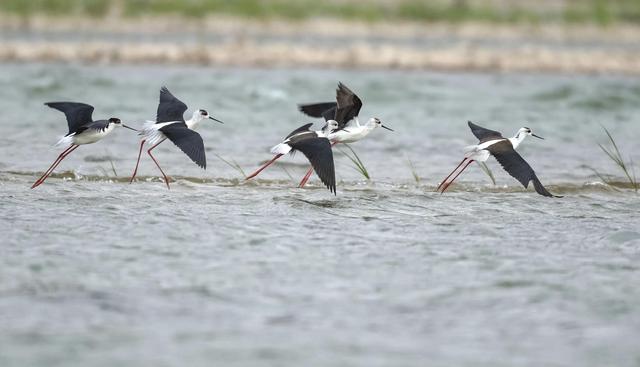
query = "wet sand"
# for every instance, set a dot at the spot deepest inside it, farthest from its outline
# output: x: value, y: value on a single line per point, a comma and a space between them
x: 223, y: 41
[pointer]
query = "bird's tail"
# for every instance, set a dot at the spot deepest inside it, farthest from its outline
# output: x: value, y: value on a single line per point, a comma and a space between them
x: 64, y: 142
x: 281, y: 148
x: 150, y: 133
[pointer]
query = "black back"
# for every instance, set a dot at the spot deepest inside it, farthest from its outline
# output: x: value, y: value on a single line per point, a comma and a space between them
x: 484, y: 134
x: 516, y: 166
x: 301, y: 129
x: 189, y: 141
x: 99, y: 125
x: 170, y: 108
x: 318, y: 152
x: 77, y: 114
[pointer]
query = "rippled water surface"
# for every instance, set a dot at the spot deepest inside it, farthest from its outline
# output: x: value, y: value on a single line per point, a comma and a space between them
x: 97, y: 272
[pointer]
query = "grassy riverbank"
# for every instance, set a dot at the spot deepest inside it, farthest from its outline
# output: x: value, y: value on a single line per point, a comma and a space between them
x: 602, y: 12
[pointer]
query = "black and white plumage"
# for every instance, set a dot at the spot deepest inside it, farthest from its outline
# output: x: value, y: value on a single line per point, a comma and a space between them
x: 82, y: 130
x: 504, y: 151
x: 170, y: 124
x: 315, y: 146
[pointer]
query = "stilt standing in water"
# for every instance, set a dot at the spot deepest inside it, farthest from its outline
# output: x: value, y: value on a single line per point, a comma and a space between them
x: 504, y: 150
x: 170, y: 123
x: 82, y: 130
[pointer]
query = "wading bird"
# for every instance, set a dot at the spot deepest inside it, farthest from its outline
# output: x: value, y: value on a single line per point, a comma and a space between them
x: 345, y: 112
x: 82, y: 130
x: 504, y: 150
x: 315, y: 146
x: 170, y: 123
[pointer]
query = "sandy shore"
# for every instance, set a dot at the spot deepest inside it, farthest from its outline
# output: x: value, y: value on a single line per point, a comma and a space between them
x: 323, y: 43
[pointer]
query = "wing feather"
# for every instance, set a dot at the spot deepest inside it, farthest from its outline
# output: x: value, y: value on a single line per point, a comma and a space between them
x: 484, y: 134
x: 77, y: 114
x: 189, y: 141
x: 348, y: 105
x: 318, y: 152
x: 517, y: 167
x: 170, y: 108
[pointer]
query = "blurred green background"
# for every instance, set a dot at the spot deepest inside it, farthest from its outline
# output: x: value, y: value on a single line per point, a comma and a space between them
x: 602, y: 12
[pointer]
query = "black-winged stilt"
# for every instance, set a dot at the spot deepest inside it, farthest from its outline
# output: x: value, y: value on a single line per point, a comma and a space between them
x: 345, y: 112
x: 504, y: 150
x: 170, y: 123
x: 82, y: 130
x: 315, y: 146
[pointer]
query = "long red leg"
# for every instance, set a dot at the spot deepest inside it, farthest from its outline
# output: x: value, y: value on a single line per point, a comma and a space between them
x: 166, y: 179
x: 450, y: 174
x: 456, y: 176
x: 310, y: 171
x: 135, y: 171
x: 306, y: 178
x: 55, y: 164
x: 263, y: 167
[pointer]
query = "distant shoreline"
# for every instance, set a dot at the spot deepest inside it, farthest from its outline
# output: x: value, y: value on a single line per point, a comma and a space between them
x: 230, y: 41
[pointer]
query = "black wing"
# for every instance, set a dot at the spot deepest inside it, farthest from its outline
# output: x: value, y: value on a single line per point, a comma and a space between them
x: 318, y: 152
x: 170, y: 108
x: 302, y: 128
x: 327, y: 110
x: 348, y: 106
x: 189, y: 141
x: 484, y: 134
x: 517, y: 167
x: 99, y: 125
x: 77, y: 114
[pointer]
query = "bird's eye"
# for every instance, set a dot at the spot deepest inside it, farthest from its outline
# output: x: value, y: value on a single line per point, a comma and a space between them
x: 203, y: 112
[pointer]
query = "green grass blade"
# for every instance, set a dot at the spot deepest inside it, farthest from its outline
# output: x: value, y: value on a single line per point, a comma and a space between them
x: 487, y: 171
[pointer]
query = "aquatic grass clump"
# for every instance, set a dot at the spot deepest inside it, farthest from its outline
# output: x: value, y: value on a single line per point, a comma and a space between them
x: 233, y: 164
x: 614, y: 154
x: 416, y: 177
x: 358, y: 165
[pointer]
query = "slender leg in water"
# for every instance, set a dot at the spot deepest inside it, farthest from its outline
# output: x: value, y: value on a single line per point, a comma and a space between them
x: 456, y: 176
x: 310, y: 171
x: 135, y: 171
x: 55, y: 164
x: 263, y: 167
x: 450, y: 174
x: 166, y: 179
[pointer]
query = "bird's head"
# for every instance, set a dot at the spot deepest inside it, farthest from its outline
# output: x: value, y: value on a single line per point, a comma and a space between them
x: 527, y: 131
x: 201, y: 114
x: 117, y: 122
x: 375, y: 122
x: 331, y: 126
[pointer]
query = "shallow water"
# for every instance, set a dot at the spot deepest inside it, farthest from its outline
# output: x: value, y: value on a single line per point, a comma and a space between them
x: 97, y: 272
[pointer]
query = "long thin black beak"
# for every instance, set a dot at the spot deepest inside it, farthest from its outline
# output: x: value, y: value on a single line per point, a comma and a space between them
x: 536, y: 136
x: 216, y: 120
x: 386, y: 127
x: 130, y: 128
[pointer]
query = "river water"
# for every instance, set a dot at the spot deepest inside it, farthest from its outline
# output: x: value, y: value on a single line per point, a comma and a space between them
x: 98, y: 272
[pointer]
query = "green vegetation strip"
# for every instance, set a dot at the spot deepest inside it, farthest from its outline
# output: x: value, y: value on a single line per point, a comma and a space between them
x: 578, y: 11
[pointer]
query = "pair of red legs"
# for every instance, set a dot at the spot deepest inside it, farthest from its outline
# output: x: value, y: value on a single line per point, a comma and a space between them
x: 444, y: 185
x: 55, y: 164
x: 135, y: 171
x: 304, y: 179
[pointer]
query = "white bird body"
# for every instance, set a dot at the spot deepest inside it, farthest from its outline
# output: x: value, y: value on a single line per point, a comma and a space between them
x: 88, y: 136
x: 354, y: 131
x: 480, y: 153
x: 151, y: 130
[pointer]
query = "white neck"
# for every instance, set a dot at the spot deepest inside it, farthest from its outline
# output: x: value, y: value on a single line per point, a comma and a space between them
x: 516, y: 140
x: 194, y: 120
